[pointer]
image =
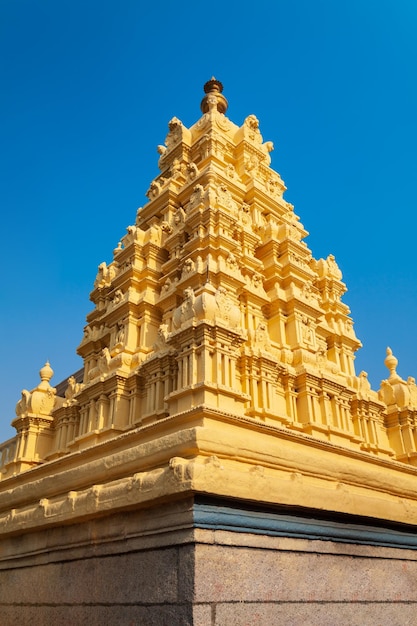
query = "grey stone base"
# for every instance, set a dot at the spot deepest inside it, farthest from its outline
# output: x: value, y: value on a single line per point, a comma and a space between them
x: 208, y: 563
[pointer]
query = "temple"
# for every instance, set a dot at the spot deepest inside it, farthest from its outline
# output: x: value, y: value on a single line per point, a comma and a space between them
x: 218, y: 395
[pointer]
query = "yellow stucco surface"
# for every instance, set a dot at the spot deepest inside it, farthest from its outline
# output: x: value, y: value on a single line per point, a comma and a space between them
x: 218, y: 358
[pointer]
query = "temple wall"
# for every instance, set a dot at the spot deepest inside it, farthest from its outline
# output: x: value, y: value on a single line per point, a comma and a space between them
x: 130, y: 568
x: 265, y: 581
x: 192, y: 563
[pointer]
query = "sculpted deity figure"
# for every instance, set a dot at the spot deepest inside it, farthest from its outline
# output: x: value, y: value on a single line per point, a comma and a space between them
x: 176, y: 168
x: 163, y: 332
x: 161, y: 340
x: 189, y: 298
x: 257, y: 280
x: 197, y: 196
x: 224, y: 197
x: 120, y: 335
x: 244, y: 214
x: 348, y: 325
x: 230, y: 171
x: 155, y: 234
x: 307, y: 290
x: 321, y: 357
x: 192, y: 171
x: 166, y: 227
x: 118, y: 297
x: 231, y: 262
x: 179, y: 216
x: 186, y: 310
x: 306, y: 330
x: 189, y: 266
x: 227, y: 311
x: 167, y: 285
x: 262, y: 336
x: 251, y: 164
x: 154, y: 190
x: 273, y: 186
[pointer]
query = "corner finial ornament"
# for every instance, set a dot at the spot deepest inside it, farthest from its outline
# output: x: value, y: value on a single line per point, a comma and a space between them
x: 213, y: 89
x: 391, y: 363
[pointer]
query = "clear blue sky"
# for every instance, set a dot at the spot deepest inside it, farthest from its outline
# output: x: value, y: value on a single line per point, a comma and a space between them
x: 87, y: 90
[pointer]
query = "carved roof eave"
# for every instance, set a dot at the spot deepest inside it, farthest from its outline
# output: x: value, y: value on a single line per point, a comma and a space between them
x: 303, y: 306
x: 104, y: 384
x: 217, y: 327
x: 92, y: 347
x: 167, y: 197
x: 259, y: 356
x: 23, y: 422
x: 342, y: 339
x: 254, y: 300
x: 324, y: 380
x: 256, y: 192
x: 68, y: 411
x: 362, y: 399
x: 292, y: 271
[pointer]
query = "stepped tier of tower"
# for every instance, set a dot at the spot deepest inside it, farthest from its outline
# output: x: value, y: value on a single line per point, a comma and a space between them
x: 213, y: 304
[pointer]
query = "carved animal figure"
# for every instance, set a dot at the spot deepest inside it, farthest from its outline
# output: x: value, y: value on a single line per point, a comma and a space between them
x: 186, y: 310
x: 102, y: 366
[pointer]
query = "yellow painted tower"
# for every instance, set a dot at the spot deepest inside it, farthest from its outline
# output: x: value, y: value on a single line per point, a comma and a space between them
x: 218, y: 362
x: 215, y: 327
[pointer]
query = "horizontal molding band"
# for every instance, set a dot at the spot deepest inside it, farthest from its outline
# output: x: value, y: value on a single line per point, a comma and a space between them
x: 214, y: 517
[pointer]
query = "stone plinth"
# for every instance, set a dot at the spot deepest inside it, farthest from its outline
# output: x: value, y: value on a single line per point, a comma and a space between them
x: 206, y: 562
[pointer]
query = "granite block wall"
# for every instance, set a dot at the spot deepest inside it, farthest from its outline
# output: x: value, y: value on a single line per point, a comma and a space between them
x: 187, y: 564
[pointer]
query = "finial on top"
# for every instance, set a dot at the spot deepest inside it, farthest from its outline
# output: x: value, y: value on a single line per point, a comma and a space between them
x: 391, y: 363
x: 46, y: 372
x: 214, y: 97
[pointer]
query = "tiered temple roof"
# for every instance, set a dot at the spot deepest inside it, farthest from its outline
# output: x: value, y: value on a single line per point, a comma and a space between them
x: 217, y: 340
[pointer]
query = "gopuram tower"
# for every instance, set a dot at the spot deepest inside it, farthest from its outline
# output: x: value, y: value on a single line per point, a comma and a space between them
x: 218, y: 460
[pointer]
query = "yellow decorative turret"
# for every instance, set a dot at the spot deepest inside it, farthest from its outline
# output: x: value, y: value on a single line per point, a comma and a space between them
x: 34, y: 421
x: 400, y: 397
